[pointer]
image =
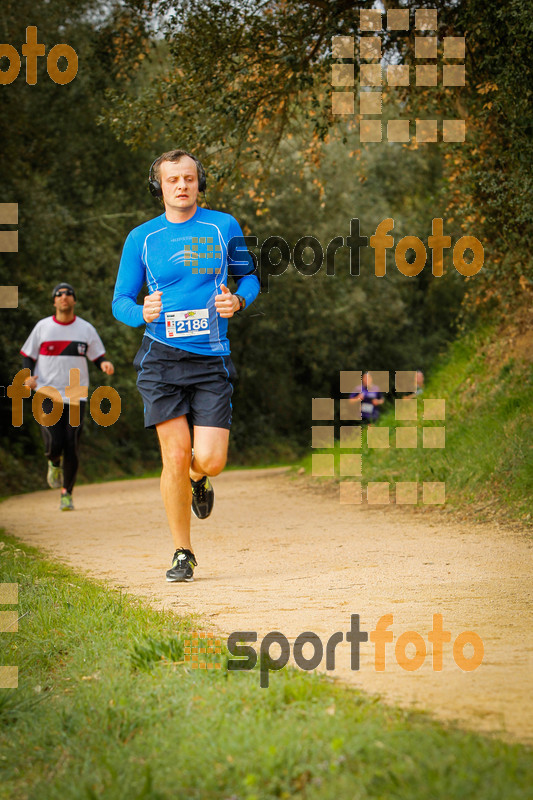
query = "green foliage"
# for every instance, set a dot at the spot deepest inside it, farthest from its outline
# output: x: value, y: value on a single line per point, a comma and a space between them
x: 487, y: 463
x: 236, y: 75
x: 493, y: 176
x: 79, y: 194
x: 246, y: 86
x: 150, y: 651
x: 265, y: 74
x: 304, y: 330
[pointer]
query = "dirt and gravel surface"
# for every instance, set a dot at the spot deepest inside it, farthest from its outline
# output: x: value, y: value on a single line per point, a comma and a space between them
x: 279, y: 554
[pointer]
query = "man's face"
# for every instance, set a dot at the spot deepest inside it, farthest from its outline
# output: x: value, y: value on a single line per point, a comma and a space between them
x: 179, y: 182
x: 64, y: 302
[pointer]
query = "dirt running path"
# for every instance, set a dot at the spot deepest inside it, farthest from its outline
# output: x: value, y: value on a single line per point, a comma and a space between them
x: 276, y: 555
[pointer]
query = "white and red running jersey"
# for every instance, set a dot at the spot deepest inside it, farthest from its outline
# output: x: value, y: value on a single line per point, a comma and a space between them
x: 59, y: 346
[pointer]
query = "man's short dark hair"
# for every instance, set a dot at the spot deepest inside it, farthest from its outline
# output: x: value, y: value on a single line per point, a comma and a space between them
x: 172, y: 155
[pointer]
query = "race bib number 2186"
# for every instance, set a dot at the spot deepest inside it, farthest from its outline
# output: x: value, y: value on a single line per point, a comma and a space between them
x: 187, y: 323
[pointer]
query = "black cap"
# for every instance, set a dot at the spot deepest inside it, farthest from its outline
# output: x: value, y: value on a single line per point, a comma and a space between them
x: 63, y: 286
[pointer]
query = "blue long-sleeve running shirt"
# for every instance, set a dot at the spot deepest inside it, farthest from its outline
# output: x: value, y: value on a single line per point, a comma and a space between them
x: 187, y: 262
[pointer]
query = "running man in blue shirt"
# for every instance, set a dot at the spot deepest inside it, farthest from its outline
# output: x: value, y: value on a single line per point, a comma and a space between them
x: 184, y: 368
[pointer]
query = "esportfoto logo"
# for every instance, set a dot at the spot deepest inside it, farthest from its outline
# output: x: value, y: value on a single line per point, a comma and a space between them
x: 372, y: 74
x: 32, y: 49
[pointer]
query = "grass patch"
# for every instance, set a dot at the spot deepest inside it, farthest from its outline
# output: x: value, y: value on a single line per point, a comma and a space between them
x: 106, y: 707
x: 487, y: 463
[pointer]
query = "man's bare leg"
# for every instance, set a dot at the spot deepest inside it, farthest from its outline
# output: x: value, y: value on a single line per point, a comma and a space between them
x: 210, y: 451
x: 175, y: 442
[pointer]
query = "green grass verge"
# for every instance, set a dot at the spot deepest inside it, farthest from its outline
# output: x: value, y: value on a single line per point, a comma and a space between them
x: 487, y: 463
x: 100, y: 714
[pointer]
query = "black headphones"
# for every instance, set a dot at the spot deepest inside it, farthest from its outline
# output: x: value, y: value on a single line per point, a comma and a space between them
x: 155, y: 186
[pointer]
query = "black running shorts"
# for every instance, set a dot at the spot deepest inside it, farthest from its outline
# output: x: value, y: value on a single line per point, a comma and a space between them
x: 174, y: 382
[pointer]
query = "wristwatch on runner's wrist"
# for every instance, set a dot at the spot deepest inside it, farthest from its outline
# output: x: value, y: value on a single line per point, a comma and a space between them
x: 242, y: 302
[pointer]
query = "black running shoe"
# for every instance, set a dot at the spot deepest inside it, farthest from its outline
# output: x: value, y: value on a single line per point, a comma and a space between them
x: 183, y: 565
x: 203, y: 497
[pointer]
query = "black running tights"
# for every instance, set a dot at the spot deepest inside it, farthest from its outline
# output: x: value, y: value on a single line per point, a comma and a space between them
x: 62, y: 439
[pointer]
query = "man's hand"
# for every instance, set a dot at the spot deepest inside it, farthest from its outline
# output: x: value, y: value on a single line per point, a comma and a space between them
x: 226, y: 303
x: 31, y: 381
x: 107, y: 367
x: 151, y: 308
